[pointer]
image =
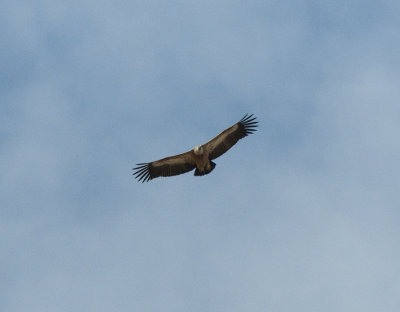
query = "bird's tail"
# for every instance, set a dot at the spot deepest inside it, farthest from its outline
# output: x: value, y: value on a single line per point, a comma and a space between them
x: 201, y: 173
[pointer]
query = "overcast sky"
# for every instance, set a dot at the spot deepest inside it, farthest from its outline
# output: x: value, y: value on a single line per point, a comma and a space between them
x: 301, y: 216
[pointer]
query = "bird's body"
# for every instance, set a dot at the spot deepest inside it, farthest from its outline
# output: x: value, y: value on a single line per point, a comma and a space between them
x: 203, y: 163
x: 200, y: 157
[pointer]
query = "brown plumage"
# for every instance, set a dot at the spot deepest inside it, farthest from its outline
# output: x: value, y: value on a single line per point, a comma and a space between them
x: 199, y: 157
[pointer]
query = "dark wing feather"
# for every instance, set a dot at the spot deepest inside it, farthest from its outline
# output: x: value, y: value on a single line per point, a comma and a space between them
x: 165, y: 167
x: 226, y: 139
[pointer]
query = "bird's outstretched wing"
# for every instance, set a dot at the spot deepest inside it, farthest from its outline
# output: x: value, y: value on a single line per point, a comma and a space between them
x: 165, y: 167
x: 226, y: 139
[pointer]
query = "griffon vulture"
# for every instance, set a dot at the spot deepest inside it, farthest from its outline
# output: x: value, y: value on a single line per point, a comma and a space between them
x: 200, y: 157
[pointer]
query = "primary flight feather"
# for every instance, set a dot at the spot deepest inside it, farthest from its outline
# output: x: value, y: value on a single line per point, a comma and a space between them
x: 200, y: 157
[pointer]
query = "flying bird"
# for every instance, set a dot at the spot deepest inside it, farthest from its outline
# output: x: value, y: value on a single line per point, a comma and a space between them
x: 200, y: 157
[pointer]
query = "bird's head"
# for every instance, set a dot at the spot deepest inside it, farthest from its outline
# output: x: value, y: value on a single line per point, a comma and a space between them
x: 198, y: 150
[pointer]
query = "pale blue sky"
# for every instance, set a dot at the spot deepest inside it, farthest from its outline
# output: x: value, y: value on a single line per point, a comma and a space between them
x: 302, y: 216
